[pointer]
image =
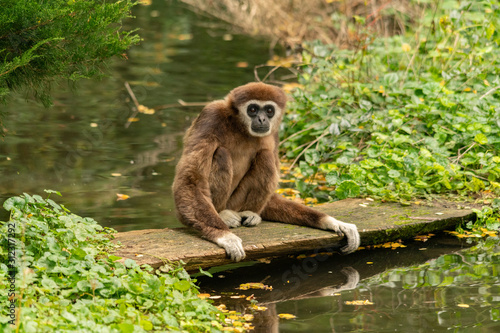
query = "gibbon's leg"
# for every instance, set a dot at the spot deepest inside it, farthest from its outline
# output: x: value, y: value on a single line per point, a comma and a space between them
x: 279, y: 209
x: 256, y: 187
x: 197, y: 196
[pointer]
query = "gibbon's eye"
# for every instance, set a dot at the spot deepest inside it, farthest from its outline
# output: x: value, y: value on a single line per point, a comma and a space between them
x: 269, y: 110
x: 252, y: 110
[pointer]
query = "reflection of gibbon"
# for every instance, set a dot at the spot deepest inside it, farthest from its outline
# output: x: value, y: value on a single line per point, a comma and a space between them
x: 229, y: 171
x: 268, y: 321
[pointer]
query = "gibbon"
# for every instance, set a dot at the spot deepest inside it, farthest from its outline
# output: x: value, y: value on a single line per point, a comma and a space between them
x: 229, y: 171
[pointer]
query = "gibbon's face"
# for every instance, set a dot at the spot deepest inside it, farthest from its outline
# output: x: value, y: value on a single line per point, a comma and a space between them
x: 260, y: 107
x: 260, y: 117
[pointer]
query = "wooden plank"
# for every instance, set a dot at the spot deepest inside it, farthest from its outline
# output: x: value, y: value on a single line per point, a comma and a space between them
x: 377, y: 223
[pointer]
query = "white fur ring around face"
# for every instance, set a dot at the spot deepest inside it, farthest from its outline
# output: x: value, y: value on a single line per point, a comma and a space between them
x: 348, y: 229
x: 233, y: 246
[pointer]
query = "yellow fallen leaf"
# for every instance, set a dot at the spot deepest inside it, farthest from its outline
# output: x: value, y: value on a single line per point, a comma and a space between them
x: 145, y: 109
x: 461, y: 305
x: 132, y: 120
x: 286, y: 316
x: 359, y: 302
x: 203, y: 296
x: 116, y: 174
x: 120, y: 196
x: 242, y: 64
x: 248, y: 317
x: 254, y: 285
x: 258, y: 308
x: 222, y: 307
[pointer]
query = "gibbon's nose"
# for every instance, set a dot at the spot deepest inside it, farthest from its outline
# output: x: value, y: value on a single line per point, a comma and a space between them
x: 262, y: 119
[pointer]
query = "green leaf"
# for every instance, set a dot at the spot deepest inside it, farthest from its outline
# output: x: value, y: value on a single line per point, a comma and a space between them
x: 481, y: 139
x: 182, y: 285
x: 394, y: 174
x: 347, y: 189
x: 126, y: 328
x: 147, y: 325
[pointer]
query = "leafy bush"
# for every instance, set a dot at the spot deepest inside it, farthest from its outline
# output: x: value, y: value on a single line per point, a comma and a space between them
x: 405, y: 116
x: 41, y: 42
x: 66, y: 281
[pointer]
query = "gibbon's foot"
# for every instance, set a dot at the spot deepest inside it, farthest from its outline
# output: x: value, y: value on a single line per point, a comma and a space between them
x: 233, y: 246
x: 343, y: 229
x: 249, y: 218
x: 230, y: 218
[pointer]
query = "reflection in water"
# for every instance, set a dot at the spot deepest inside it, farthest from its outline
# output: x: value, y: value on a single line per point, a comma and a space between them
x: 81, y: 146
x: 421, y: 288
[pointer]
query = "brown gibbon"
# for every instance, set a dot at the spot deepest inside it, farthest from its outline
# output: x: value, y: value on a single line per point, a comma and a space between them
x: 229, y: 171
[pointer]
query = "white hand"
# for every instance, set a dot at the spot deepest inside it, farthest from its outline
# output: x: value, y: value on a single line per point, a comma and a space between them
x: 233, y: 246
x: 230, y: 218
x: 250, y: 218
x: 341, y: 228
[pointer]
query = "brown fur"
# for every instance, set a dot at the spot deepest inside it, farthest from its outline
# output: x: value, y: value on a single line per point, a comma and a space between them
x: 224, y: 167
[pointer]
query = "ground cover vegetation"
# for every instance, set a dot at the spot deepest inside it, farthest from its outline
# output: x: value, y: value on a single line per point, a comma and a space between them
x: 402, y: 117
x: 66, y: 279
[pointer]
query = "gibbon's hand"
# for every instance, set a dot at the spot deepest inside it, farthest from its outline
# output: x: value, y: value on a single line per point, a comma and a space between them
x: 344, y: 229
x: 249, y: 219
x: 233, y: 246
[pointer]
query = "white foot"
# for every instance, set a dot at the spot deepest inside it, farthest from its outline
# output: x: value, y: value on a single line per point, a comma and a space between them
x: 230, y: 218
x: 341, y: 228
x: 249, y: 218
x: 233, y: 246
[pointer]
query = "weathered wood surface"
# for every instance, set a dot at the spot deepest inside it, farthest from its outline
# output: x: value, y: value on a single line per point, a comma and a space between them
x: 377, y: 223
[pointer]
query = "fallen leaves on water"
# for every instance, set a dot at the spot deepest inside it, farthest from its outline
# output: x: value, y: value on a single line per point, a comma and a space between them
x: 120, y: 196
x: 475, y: 233
x: 203, y: 296
x: 359, y: 302
x: 254, y: 285
x: 258, y: 308
x: 145, y: 109
x: 286, y: 316
x: 423, y: 238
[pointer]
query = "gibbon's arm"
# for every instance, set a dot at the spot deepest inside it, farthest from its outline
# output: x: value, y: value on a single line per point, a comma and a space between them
x: 279, y: 209
x: 193, y: 199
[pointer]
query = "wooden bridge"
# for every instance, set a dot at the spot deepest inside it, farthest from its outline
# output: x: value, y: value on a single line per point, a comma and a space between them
x: 377, y: 223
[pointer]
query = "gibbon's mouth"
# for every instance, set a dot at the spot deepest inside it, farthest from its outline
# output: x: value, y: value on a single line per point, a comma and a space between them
x: 260, y: 129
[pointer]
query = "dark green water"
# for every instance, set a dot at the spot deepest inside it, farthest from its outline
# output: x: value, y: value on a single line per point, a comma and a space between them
x: 182, y: 56
x: 76, y: 146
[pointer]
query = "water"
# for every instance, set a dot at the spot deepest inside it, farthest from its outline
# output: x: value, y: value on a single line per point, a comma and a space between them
x: 182, y: 56
x: 80, y: 145
x: 436, y: 286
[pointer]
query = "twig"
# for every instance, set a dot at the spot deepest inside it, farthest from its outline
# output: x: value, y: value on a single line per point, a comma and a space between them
x: 462, y: 154
x: 134, y: 99
x: 306, y: 148
x: 180, y: 102
x: 301, y: 131
x: 489, y: 92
